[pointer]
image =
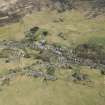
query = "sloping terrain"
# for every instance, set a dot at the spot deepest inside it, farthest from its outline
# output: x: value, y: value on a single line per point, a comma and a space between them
x: 53, y: 56
x: 14, y: 10
x: 23, y: 89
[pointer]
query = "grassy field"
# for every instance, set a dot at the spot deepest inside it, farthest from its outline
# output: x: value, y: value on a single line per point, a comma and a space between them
x: 26, y: 91
x: 77, y: 29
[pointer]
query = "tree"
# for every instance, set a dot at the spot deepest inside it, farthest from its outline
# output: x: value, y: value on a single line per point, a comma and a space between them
x: 50, y: 70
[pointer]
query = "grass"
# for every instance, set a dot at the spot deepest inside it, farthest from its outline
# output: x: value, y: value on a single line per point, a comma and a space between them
x: 26, y: 91
x: 77, y: 29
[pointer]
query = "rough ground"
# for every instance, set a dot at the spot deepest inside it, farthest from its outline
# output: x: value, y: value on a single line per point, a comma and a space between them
x: 13, y: 10
x: 34, y: 78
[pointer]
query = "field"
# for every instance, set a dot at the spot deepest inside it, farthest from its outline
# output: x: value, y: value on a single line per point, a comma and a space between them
x: 77, y: 29
x: 28, y: 91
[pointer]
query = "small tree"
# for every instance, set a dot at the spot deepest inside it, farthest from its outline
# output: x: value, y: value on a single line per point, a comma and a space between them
x: 103, y: 72
x: 50, y: 70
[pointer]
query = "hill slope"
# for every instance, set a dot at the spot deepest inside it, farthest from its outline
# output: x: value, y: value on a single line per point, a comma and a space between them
x: 13, y: 10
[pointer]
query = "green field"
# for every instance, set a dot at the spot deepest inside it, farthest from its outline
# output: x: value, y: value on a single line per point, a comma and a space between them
x: 26, y: 91
x: 77, y: 29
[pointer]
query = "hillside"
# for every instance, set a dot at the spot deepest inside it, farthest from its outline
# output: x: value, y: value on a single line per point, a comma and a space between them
x: 14, y: 10
x: 52, y: 52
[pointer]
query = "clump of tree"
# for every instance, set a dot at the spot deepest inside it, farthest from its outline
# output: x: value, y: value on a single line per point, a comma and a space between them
x: 30, y: 35
x: 102, y: 69
x: 50, y: 70
x: 94, y: 52
x: 103, y: 72
x: 36, y: 34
